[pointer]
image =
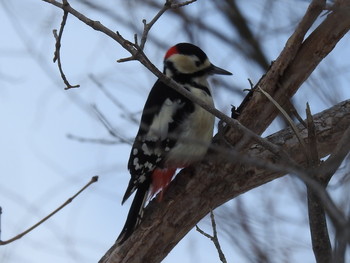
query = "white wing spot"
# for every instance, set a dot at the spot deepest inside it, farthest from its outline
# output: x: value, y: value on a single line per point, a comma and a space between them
x: 136, y: 164
x: 135, y: 151
x: 141, y: 179
x: 145, y: 149
x: 149, y: 165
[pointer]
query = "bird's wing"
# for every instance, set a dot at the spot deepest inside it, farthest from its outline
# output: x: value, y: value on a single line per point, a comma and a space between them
x: 163, y: 112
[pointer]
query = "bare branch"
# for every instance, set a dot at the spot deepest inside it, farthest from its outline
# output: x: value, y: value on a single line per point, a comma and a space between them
x: 57, y: 55
x: 318, y: 228
x: 295, y: 64
x: 115, y: 101
x: 147, y: 26
x: 109, y: 126
x: 138, y: 54
x: 93, y: 180
x: 197, y: 189
x: 91, y: 140
x: 328, y: 168
x: 238, y: 21
x: 272, y: 77
x: 342, y: 241
x: 321, y: 244
x: 287, y: 117
x: 214, y: 237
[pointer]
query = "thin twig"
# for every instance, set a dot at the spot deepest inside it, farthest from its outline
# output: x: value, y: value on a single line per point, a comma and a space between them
x: 57, y: 55
x: 318, y: 228
x: 214, y: 237
x: 325, y: 172
x: 341, y: 243
x: 287, y: 117
x: 109, y: 126
x: 130, y: 47
x: 321, y: 244
x: 293, y: 112
x: 147, y: 27
x: 91, y: 140
x: 69, y: 200
x: 328, y: 167
x: 142, y: 58
x: 126, y: 113
x: 331, y: 208
x: 314, y: 159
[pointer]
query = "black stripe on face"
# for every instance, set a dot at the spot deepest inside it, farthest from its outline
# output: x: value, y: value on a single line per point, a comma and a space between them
x: 188, y: 78
x: 202, y: 87
x: 182, y: 77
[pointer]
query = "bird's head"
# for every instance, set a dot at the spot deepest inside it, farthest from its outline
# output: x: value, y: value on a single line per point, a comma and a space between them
x: 187, y: 60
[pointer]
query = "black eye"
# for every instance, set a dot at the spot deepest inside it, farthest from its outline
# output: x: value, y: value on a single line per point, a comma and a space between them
x: 198, y: 63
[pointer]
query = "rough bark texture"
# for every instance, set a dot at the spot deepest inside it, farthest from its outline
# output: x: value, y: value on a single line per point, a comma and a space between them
x: 202, y: 188
x: 198, y: 190
x: 319, y: 231
x: 294, y: 65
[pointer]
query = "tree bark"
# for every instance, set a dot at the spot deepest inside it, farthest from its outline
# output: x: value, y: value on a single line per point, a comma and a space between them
x: 294, y: 65
x: 197, y: 190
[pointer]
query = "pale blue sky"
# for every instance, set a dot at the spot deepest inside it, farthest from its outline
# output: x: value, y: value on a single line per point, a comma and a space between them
x: 40, y: 167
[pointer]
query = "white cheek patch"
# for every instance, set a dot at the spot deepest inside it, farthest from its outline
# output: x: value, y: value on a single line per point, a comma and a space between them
x: 187, y: 64
x: 183, y: 64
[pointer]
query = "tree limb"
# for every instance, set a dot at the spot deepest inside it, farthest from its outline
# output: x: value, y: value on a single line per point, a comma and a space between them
x: 68, y: 201
x: 195, y: 192
x: 198, y: 190
x: 294, y: 65
x: 57, y: 55
x: 214, y: 238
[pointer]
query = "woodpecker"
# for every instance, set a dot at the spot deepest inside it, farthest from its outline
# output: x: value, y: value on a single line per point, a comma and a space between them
x: 174, y: 132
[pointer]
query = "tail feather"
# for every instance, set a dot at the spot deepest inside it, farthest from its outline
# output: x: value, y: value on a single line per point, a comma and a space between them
x: 129, y: 191
x: 135, y: 213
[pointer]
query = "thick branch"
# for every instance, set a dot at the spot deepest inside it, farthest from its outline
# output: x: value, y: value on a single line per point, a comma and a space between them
x: 196, y: 191
x: 294, y: 65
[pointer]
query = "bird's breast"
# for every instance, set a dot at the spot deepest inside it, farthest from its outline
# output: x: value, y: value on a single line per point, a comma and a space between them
x: 195, y: 134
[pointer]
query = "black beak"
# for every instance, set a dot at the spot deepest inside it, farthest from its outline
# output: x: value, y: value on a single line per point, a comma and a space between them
x: 219, y: 71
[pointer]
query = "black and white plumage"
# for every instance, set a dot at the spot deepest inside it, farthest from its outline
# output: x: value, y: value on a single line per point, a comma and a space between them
x: 174, y: 132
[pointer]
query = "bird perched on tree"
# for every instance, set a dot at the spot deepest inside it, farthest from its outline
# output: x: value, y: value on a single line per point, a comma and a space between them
x: 174, y: 132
